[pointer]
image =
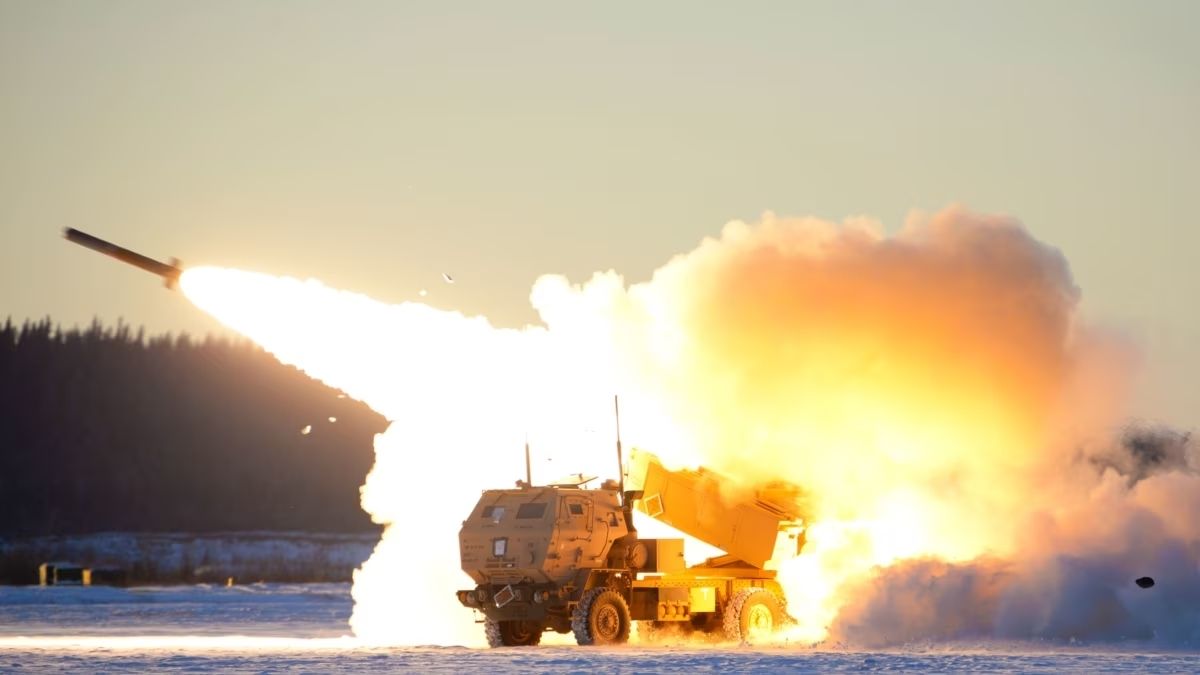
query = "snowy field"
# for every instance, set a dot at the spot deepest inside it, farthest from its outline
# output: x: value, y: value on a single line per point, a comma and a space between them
x: 302, y: 628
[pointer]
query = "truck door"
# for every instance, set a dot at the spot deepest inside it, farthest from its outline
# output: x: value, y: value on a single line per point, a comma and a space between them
x: 578, y: 523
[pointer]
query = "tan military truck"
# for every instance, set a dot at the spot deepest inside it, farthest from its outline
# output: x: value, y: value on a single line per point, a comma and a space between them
x: 568, y: 559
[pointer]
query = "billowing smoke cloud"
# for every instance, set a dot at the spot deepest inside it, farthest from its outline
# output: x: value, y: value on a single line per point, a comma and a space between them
x: 1072, y: 577
x: 932, y: 391
x: 925, y: 388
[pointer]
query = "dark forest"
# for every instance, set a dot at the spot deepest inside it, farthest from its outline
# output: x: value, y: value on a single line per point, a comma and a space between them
x: 106, y: 429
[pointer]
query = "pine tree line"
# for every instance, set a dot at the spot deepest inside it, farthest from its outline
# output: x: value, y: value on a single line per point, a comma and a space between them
x: 106, y: 429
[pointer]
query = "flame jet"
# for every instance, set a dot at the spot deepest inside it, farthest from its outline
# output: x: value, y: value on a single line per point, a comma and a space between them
x: 168, y: 271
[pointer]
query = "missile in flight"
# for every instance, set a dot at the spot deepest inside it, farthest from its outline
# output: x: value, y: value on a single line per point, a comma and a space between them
x: 168, y: 271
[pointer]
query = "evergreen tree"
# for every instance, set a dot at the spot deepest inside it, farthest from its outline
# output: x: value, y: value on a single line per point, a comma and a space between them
x: 104, y: 429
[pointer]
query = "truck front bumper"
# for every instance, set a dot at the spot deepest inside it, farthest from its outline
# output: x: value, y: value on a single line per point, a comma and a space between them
x: 511, y: 602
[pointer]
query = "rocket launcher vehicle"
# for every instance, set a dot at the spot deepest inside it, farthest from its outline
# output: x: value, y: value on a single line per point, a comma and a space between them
x: 569, y: 559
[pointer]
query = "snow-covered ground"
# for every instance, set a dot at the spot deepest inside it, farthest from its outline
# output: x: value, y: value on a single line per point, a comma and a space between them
x: 302, y: 627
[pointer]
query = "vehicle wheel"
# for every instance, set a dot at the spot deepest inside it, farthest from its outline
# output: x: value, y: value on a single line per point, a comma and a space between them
x: 601, y: 618
x: 752, y: 615
x: 512, y: 633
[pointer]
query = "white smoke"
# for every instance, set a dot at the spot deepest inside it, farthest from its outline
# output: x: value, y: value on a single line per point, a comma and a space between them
x: 928, y: 390
x: 1072, y: 577
x: 463, y: 398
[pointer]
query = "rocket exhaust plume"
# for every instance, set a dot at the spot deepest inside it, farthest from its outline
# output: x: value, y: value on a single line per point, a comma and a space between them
x: 933, y: 391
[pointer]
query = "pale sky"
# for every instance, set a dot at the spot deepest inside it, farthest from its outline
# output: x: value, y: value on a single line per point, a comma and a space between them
x: 376, y: 145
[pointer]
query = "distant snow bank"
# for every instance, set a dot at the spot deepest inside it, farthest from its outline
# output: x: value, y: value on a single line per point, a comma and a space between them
x: 176, y: 557
x: 209, y: 594
x: 48, y: 615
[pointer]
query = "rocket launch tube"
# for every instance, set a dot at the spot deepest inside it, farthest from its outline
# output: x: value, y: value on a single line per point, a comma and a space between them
x: 169, y: 272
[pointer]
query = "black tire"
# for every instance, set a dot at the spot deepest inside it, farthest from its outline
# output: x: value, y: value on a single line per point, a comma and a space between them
x: 512, y: 633
x: 752, y: 615
x: 601, y: 618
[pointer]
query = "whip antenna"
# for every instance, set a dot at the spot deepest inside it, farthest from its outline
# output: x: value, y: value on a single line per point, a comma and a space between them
x: 620, y: 461
x: 528, y: 472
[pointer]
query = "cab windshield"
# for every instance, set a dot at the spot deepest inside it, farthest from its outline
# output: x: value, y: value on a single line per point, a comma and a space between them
x: 531, y: 511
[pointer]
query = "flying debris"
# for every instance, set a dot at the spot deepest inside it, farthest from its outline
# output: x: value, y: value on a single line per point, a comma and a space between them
x: 306, y: 430
x: 168, y: 271
x: 449, y: 279
x: 1144, y: 582
x: 332, y: 420
x: 422, y: 292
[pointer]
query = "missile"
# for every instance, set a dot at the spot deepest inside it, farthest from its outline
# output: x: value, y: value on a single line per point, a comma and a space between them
x: 168, y: 271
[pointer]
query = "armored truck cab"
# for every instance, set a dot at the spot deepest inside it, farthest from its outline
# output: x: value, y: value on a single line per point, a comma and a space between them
x: 540, y: 535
